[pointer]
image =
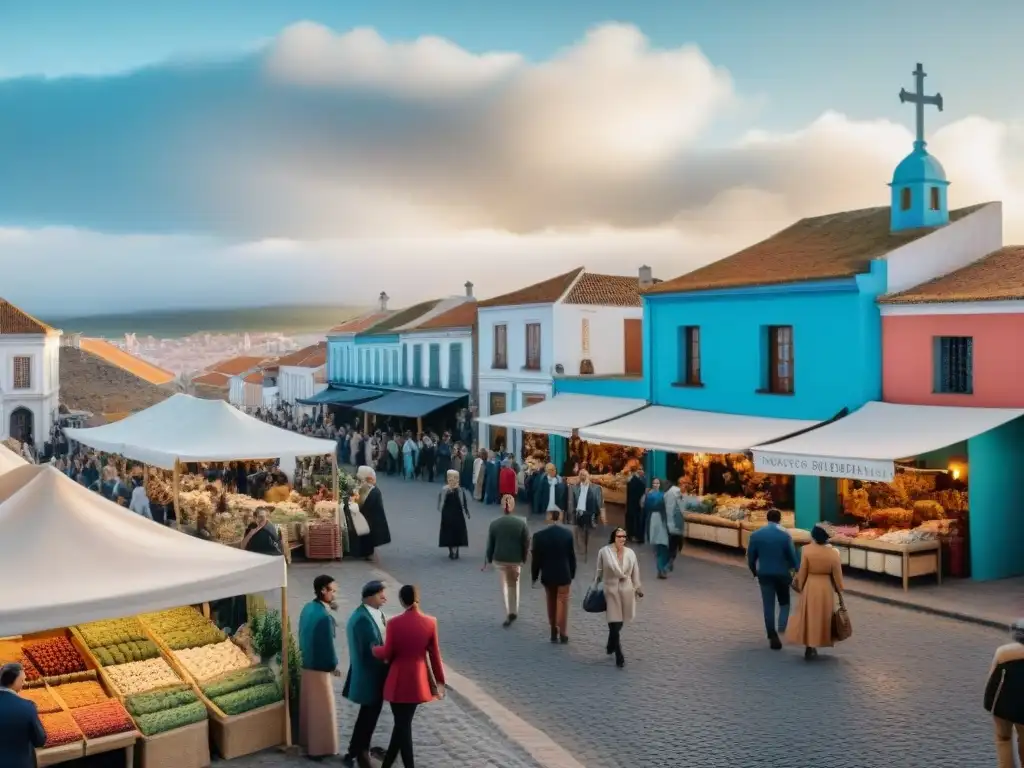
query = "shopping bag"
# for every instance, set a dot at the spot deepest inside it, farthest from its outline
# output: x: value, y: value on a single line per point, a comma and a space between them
x: 842, y: 628
x: 594, y: 601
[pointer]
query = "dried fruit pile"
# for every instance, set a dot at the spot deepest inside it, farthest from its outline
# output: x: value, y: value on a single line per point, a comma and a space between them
x: 141, y: 676
x: 182, y: 628
x: 60, y: 729
x: 213, y: 661
x: 105, y: 719
x: 11, y: 651
x: 98, y: 634
x: 82, y: 694
x: 55, y: 656
x: 122, y: 653
x: 41, y: 697
x: 71, y: 677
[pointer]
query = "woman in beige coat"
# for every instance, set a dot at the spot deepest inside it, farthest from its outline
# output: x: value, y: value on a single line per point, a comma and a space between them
x: 820, y: 577
x: 619, y: 571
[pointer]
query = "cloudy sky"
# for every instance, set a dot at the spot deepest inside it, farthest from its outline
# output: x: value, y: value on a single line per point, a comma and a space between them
x: 213, y: 154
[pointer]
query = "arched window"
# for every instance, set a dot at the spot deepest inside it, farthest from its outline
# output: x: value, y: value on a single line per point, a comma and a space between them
x: 905, y: 199
x: 934, y: 191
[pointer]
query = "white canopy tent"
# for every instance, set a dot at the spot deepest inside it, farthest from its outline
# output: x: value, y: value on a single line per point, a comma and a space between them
x: 866, y: 444
x: 564, y: 413
x: 190, y: 429
x: 68, y: 556
x: 9, y: 460
x: 679, y: 430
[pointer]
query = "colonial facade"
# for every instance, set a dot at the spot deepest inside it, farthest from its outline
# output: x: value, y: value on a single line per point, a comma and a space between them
x: 29, y: 376
x: 298, y: 374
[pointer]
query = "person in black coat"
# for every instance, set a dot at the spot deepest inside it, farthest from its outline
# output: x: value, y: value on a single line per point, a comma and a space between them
x: 553, y: 561
x: 636, y: 487
x: 454, y: 508
x: 542, y: 498
x: 21, y: 731
x: 372, y: 506
x: 1004, y: 696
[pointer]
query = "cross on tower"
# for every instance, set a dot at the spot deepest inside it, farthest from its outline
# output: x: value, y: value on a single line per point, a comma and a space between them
x: 920, y: 100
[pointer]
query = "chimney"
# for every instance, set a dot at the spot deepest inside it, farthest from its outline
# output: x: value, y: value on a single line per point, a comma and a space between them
x: 469, y: 289
x: 646, y: 276
x: 383, y: 299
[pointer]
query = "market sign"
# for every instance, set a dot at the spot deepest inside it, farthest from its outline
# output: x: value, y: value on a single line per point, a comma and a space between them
x: 875, y: 470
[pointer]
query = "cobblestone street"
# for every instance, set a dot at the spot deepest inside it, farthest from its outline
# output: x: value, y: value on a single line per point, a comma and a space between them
x: 700, y: 687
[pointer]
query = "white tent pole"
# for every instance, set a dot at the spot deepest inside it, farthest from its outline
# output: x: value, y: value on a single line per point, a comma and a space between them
x: 337, y: 498
x: 175, y: 491
x: 285, y: 674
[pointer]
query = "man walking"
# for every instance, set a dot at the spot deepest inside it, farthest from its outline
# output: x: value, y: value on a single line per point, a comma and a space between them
x: 772, y: 558
x: 675, y: 507
x: 586, y: 505
x: 508, y: 542
x: 550, y: 493
x: 21, y: 732
x: 1004, y: 697
x: 366, y: 674
x: 553, y: 561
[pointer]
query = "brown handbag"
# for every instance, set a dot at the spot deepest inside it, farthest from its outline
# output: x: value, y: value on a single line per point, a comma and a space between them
x: 842, y: 629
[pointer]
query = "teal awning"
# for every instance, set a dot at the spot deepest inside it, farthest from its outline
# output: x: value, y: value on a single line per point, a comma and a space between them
x: 409, y: 405
x: 341, y: 396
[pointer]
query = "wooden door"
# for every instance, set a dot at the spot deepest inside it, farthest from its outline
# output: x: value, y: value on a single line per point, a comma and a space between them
x: 633, y: 345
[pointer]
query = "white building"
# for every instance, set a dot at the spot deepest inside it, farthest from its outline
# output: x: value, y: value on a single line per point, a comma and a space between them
x: 300, y: 375
x: 440, y: 347
x: 577, y: 323
x: 29, y: 376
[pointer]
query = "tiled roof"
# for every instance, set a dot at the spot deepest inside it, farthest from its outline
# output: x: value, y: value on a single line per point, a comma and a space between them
x: 820, y: 248
x: 999, y: 276
x: 462, y: 316
x: 135, y: 365
x: 256, y: 377
x: 546, y: 292
x: 605, y: 291
x: 88, y: 382
x: 14, y: 320
x: 361, y: 323
x: 308, y: 357
x: 235, y: 366
x: 213, y: 379
x: 403, y: 317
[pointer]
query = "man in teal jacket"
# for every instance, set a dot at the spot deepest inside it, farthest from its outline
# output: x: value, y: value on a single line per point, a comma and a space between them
x: 772, y: 558
x: 318, y: 730
x: 366, y: 674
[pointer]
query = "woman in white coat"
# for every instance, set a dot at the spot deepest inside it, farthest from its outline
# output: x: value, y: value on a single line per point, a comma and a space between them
x: 619, y: 571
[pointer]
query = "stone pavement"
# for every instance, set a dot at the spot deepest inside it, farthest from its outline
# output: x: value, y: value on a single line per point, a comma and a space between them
x: 700, y: 687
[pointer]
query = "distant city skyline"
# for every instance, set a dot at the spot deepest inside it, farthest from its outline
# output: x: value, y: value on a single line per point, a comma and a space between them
x: 314, y: 152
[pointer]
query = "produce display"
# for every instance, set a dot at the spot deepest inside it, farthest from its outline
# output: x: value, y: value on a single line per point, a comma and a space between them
x: 182, y: 628
x: 71, y: 677
x: 122, y: 653
x: 237, y: 681
x: 55, y: 656
x: 113, y: 632
x: 170, y: 719
x: 158, y: 701
x: 76, y: 695
x: 248, y: 699
x: 908, y: 510
x: 41, y: 697
x: 11, y: 651
x: 213, y: 661
x: 60, y: 728
x: 141, y: 676
x: 104, y: 719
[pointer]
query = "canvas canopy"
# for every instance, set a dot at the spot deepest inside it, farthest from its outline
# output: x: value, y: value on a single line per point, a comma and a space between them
x: 67, y: 556
x: 866, y: 444
x: 408, y: 405
x: 186, y: 428
x: 563, y: 413
x: 9, y: 460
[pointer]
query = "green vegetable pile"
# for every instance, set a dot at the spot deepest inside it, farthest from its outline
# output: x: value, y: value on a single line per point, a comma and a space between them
x: 171, y: 719
x: 193, y: 637
x: 249, y: 699
x: 122, y: 653
x: 158, y: 701
x: 238, y: 681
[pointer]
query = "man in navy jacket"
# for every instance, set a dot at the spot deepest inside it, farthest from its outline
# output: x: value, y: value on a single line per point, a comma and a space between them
x: 772, y: 558
x: 21, y: 731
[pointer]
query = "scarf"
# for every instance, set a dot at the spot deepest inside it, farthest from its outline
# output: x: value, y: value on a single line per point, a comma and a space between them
x: 248, y: 537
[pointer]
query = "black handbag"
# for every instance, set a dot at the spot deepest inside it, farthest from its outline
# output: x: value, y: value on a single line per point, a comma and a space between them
x: 595, y: 601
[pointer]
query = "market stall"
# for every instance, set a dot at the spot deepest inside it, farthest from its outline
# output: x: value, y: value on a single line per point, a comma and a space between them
x: 185, y: 429
x: 707, y: 451
x: 9, y: 460
x: 901, y: 475
x: 97, y: 607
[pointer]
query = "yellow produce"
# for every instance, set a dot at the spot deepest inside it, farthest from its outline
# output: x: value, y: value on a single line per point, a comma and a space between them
x: 141, y: 676
x: 212, y: 661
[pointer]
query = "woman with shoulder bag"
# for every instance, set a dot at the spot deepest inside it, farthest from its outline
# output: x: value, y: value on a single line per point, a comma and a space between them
x: 619, y: 571
x: 454, y: 510
x: 819, y: 581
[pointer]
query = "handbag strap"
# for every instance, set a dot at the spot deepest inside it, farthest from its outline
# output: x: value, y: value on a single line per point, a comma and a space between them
x: 839, y: 594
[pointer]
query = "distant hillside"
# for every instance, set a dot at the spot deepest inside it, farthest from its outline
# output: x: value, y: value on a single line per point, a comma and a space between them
x: 176, y: 323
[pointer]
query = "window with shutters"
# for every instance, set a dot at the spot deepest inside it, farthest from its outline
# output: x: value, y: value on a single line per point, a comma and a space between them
x: 780, y: 360
x: 953, y: 363
x: 417, y: 365
x: 22, y: 372
x: 689, y: 355
x: 434, y: 371
x: 500, y: 347
x: 405, y: 365
x: 532, y: 347
x: 455, y: 367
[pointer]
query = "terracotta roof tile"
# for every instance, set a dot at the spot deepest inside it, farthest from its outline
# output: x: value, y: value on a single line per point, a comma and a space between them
x: 145, y: 370
x: 402, y: 317
x: 820, y: 248
x: 256, y: 377
x: 546, y: 292
x: 308, y: 357
x: 462, y: 316
x: 605, y: 291
x: 361, y: 323
x: 14, y: 320
x: 88, y: 382
x: 235, y: 366
x: 212, y: 379
x: 999, y: 276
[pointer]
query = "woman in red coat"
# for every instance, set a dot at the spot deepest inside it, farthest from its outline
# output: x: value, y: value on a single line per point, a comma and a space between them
x: 409, y: 640
x: 508, y: 485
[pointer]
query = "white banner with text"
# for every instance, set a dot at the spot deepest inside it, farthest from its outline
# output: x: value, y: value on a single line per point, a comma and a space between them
x: 872, y: 470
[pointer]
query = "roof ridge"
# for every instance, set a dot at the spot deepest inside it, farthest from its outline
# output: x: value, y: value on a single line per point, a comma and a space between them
x: 19, y: 321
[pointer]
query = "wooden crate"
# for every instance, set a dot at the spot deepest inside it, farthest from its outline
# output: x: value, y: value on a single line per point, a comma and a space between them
x: 239, y: 735
x: 187, y: 747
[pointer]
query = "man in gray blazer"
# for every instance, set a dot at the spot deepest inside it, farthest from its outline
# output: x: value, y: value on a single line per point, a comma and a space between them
x: 586, y: 510
x: 772, y: 558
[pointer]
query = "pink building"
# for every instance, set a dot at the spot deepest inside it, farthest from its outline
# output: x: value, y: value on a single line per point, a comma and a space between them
x: 955, y: 340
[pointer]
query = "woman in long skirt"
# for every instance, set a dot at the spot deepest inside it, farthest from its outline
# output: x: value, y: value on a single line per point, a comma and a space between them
x: 454, y: 512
